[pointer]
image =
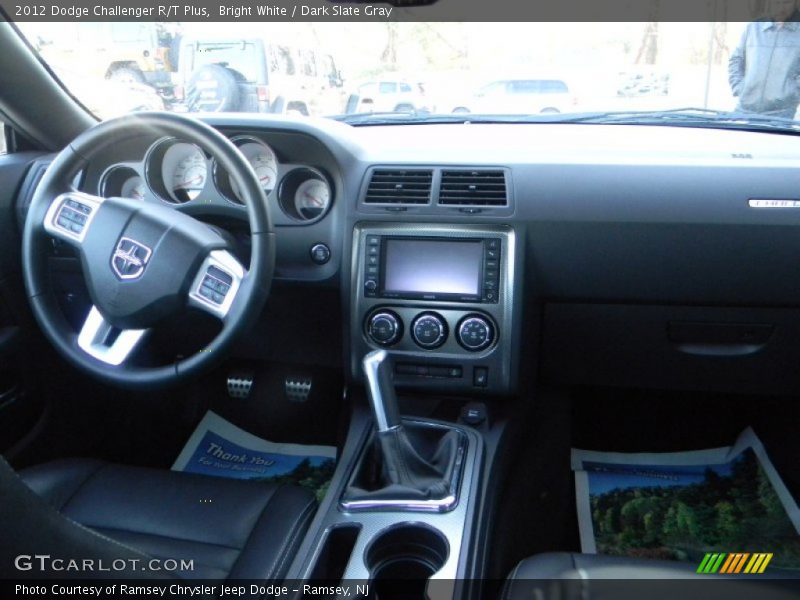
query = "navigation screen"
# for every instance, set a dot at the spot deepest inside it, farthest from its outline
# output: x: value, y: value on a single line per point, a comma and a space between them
x: 433, y: 266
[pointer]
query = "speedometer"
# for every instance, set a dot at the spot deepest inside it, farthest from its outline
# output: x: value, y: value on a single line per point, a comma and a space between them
x: 266, y: 169
x: 189, y: 176
x: 262, y: 159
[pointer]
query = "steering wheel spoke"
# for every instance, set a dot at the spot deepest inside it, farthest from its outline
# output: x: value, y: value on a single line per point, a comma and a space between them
x: 216, y: 284
x: 101, y: 340
x: 70, y: 216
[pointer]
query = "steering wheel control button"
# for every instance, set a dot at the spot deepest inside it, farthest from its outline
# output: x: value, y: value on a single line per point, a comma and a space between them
x: 384, y: 328
x: 216, y: 285
x: 320, y: 254
x: 429, y: 330
x: 73, y: 216
x: 480, y: 377
x: 475, y: 333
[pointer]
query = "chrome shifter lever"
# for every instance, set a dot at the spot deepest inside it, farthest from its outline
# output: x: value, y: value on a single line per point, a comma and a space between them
x: 382, y: 397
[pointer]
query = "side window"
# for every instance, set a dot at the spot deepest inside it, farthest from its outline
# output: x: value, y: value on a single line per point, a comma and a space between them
x: 494, y: 88
x: 554, y: 87
x: 526, y: 86
x: 387, y: 87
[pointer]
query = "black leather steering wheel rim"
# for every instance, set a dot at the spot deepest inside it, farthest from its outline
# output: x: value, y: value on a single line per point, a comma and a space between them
x: 252, y: 291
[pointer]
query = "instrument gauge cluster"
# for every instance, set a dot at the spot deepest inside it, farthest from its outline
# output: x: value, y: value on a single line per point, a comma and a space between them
x: 180, y: 173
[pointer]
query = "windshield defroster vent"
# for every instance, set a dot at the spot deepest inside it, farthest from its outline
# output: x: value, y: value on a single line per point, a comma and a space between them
x: 399, y: 186
x: 473, y: 188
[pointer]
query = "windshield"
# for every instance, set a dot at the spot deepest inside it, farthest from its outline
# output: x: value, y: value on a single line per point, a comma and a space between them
x: 418, y: 71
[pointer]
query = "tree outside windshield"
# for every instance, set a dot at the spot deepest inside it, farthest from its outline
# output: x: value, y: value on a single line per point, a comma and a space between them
x: 321, y: 69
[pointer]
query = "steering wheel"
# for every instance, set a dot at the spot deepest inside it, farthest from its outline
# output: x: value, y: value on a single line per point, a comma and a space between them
x: 142, y: 262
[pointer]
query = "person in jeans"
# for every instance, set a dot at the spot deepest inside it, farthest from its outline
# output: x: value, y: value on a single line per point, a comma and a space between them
x: 763, y: 70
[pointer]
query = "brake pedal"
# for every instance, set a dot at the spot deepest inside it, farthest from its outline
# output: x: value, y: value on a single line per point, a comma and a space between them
x: 297, y: 389
x: 240, y: 385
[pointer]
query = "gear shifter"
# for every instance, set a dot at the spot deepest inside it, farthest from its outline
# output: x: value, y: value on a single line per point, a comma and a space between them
x: 410, y: 461
x: 378, y: 371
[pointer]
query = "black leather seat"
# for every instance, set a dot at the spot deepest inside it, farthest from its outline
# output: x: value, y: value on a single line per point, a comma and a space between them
x: 229, y: 528
x: 567, y: 575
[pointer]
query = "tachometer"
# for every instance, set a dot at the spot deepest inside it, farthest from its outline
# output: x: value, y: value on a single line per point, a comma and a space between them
x: 189, y: 176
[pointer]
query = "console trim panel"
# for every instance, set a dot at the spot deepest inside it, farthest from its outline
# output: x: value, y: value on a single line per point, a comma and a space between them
x: 497, y: 359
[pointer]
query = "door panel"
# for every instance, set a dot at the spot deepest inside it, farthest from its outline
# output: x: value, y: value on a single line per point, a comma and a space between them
x: 19, y: 408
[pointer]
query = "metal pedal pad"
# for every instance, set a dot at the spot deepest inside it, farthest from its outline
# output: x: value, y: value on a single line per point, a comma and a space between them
x: 240, y: 385
x: 297, y: 389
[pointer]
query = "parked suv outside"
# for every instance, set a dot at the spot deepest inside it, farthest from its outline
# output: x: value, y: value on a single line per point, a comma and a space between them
x: 124, y: 52
x: 388, y: 96
x: 249, y: 75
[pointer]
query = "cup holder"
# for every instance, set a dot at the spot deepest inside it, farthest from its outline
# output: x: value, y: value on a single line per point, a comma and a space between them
x: 401, y: 559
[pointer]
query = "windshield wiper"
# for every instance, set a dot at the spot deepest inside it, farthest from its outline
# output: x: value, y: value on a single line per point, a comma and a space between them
x: 690, y: 116
x: 686, y: 117
x: 389, y: 116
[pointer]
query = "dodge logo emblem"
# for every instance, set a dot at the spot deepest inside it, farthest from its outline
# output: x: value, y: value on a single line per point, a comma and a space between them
x: 130, y: 259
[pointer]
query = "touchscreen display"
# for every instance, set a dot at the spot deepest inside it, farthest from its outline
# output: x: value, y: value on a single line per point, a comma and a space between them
x: 433, y: 266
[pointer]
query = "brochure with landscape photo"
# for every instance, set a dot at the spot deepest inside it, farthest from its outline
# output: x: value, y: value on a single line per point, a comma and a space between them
x: 219, y: 448
x: 680, y: 506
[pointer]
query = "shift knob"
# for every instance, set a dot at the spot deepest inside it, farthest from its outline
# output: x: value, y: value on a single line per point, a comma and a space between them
x: 382, y: 397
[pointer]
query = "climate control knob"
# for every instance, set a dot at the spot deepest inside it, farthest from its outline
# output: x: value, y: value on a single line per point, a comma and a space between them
x: 475, y: 333
x: 384, y: 327
x: 429, y: 330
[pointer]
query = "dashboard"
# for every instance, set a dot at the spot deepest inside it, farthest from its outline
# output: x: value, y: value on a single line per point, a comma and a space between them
x: 586, y: 218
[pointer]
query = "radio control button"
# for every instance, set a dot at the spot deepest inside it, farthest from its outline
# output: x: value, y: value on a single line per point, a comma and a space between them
x: 370, y: 285
x: 475, y: 333
x: 429, y: 330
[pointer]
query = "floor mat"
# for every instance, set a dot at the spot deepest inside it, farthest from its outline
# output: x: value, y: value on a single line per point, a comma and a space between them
x: 729, y: 503
x: 221, y: 449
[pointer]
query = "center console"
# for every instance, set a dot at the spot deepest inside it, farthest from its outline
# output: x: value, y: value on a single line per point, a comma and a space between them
x: 440, y: 299
x: 433, y: 308
x: 398, y: 521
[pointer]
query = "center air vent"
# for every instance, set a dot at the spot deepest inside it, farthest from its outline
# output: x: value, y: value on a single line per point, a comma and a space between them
x: 473, y: 188
x: 399, y: 186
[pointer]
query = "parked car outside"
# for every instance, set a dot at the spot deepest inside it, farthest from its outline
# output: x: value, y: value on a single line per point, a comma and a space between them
x: 388, y: 95
x: 519, y: 96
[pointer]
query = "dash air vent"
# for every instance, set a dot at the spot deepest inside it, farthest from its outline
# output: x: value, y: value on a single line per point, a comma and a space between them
x: 399, y: 186
x: 473, y: 188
